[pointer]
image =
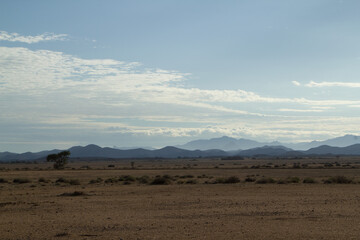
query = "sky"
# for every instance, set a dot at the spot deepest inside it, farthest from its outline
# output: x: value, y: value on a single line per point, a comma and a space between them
x: 132, y: 73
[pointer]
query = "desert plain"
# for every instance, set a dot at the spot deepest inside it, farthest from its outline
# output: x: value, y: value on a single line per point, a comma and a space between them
x: 313, y: 198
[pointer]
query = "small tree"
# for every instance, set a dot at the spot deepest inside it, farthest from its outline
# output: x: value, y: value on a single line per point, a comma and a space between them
x: 60, y: 159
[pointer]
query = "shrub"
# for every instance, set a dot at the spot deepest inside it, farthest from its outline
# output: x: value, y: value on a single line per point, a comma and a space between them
x: 309, y: 180
x: 160, y: 181
x: 143, y: 179
x: 127, y: 178
x: 191, y: 181
x: 232, y: 179
x: 339, y: 180
x: 202, y: 176
x: 250, y: 179
x: 265, y: 180
x: 282, y: 181
x: 74, y: 182
x: 64, y: 234
x: 187, y: 176
x: 61, y: 180
x: 111, y: 180
x: 73, y: 194
x: 21, y: 180
x: 98, y: 180
x: 43, y: 180
x: 292, y: 180
x: 2, y: 180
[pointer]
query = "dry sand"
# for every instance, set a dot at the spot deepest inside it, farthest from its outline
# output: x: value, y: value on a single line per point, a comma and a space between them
x: 188, y: 211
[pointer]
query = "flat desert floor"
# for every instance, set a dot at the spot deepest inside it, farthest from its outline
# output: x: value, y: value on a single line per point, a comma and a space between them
x: 112, y: 200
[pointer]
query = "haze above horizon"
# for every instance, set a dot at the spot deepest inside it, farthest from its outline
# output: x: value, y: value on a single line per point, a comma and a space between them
x: 159, y: 73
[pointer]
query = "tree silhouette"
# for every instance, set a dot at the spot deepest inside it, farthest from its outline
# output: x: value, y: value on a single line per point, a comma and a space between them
x: 60, y: 159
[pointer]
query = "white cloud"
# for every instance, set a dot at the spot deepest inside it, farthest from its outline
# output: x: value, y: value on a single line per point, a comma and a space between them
x: 15, y: 37
x: 299, y: 110
x: 333, y: 84
x: 50, y: 90
x: 296, y: 83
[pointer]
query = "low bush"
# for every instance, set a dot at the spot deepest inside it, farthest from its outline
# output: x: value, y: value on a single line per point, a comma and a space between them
x: 265, y: 180
x: 191, y: 181
x: 111, y: 180
x: 187, y: 176
x: 309, y: 180
x: 339, y: 180
x: 73, y: 194
x: 21, y: 180
x: 43, y: 180
x: 143, y: 179
x: 292, y: 180
x: 232, y: 179
x: 161, y: 181
x: 2, y: 180
x: 61, y: 180
x: 127, y: 178
x: 250, y: 179
x: 74, y: 182
x: 228, y: 180
x: 98, y: 180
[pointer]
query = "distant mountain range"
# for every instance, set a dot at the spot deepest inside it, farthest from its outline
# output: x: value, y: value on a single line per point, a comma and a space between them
x: 233, y: 144
x: 96, y: 152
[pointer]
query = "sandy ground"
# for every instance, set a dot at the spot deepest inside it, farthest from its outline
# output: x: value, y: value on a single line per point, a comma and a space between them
x: 38, y: 210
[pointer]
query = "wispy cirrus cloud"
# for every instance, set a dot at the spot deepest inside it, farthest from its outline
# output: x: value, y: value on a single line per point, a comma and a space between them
x: 16, y: 37
x: 332, y: 84
x: 50, y: 90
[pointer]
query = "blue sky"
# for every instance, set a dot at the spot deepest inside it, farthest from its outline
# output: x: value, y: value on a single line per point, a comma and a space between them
x: 157, y: 73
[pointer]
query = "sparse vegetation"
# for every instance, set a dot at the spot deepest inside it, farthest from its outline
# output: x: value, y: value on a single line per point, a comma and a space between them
x: 127, y: 178
x: 309, y: 180
x: 143, y: 179
x: 21, y: 180
x: 265, y: 180
x: 74, y: 182
x: 98, y: 180
x: 161, y: 181
x: 232, y: 179
x: 2, y: 180
x: 250, y: 179
x: 338, y: 180
x: 73, y: 194
x: 42, y: 180
x: 61, y: 180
